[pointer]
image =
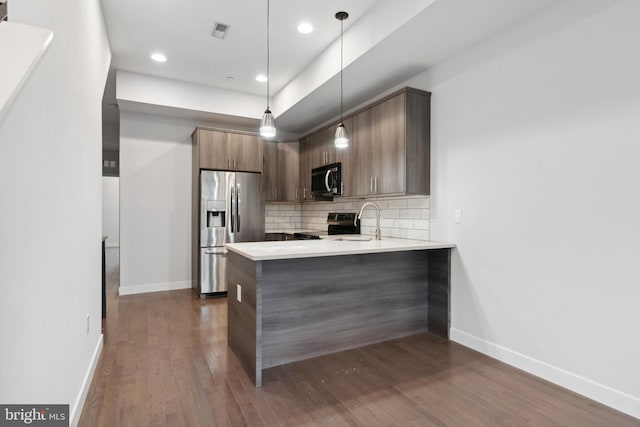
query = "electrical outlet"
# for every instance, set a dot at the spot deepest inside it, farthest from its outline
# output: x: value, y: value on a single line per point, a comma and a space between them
x: 88, y: 324
x: 239, y: 292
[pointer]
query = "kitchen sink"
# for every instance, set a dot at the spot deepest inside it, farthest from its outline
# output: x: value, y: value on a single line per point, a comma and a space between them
x: 289, y: 248
x: 353, y: 238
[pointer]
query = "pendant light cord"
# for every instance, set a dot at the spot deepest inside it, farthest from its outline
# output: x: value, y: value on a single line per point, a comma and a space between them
x: 341, y: 66
x: 268, y: 76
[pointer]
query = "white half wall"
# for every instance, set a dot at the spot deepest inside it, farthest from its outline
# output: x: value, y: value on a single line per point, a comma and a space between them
x: 111, y: 210
x: 155, y: 203
x: 160, y: 91
x: 25, y: 45
x: 51, y: 217
x: 539, y: 148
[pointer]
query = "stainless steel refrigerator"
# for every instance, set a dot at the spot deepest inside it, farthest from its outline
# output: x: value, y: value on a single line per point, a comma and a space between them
x: 231, y: 210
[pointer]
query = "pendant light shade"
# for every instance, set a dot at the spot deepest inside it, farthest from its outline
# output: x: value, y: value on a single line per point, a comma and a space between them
x: 341, y: 139
x: 268, y: 123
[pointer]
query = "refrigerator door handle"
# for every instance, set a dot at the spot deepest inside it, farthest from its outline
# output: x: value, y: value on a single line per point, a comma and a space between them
x: 216, y: 251
x: 238, y: 208
x: 233, y: 192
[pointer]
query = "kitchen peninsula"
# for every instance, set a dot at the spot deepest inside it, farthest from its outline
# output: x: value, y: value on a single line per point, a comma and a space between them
x: 294, y: 300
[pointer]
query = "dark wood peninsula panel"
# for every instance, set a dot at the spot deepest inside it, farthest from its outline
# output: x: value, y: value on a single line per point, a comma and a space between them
x: 294, y: 309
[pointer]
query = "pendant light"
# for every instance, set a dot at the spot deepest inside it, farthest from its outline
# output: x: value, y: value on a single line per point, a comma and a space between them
x: 341, y: 139
x: 268, y: 123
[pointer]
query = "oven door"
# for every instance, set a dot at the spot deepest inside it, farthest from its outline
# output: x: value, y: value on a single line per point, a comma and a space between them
x: 326, y: 181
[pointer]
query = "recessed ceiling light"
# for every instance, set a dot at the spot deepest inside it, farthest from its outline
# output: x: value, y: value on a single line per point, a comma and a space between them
x: 261, y: 78
x: 158, y: 57
x: 305, y: 27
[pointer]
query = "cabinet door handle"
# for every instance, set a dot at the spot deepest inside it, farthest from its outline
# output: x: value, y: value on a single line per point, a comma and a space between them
x: 371, y: 185
x: 228, y: 163
x: 304, y: 193
x: 342, y: 187
x: 375, y: 184
x: 296, y: 194
x: 326, y: 181
x: 234, y: 162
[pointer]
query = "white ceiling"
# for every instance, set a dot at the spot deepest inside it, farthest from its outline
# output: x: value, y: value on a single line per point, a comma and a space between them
x: 428, y: 33
x: 182, y: 31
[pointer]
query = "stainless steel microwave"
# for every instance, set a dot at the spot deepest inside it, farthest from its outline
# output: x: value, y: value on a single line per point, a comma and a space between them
x: 326, y: 181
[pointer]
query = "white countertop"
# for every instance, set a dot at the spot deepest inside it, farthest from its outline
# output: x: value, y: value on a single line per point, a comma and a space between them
x: 294, y: 230
x: 262, y: 251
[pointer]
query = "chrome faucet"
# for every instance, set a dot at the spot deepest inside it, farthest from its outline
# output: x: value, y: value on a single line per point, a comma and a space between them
x: 378, y: 237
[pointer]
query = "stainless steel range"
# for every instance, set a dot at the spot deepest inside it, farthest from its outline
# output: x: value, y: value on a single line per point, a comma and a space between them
x: 337, y: 223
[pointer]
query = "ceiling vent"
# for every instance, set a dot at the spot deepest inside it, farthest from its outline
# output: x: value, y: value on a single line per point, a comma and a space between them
x: 220, y: 30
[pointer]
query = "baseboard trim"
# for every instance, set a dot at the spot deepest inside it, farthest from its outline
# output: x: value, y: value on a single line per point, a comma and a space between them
x: 599, y: 392
x: 76, y: 409
x: 154, y: 287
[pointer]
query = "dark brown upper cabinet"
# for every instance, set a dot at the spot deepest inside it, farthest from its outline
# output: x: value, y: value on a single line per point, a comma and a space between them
x: 389, y: 149
x: 281, y: 171
x: 223, y: 150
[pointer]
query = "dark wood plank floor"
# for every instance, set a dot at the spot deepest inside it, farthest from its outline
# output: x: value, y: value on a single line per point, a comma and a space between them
x: 166, y: 362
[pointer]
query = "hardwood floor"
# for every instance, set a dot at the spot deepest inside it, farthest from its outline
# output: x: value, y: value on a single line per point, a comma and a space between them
x: 166, y: 363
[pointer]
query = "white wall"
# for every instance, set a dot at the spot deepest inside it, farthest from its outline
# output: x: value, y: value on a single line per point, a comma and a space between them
x: 50, y: 220
x: 111, y: 210
x: 155, y: 203
x: 110, y: 132
x: 539, y: 147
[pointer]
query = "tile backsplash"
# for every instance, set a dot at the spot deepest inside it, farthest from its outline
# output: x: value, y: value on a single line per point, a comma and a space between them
x: 403, y: 217
x: 282, y: 217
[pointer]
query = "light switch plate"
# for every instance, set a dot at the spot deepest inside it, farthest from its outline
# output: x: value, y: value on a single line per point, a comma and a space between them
x: 239, y: 292
x: 457, y: 216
